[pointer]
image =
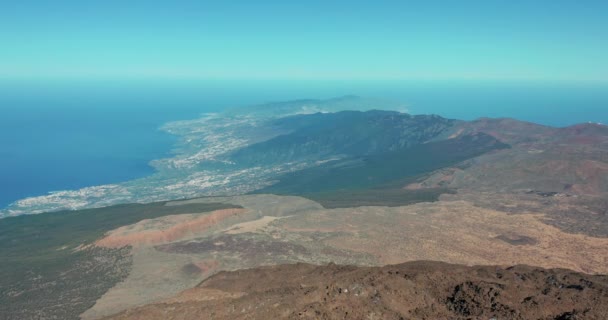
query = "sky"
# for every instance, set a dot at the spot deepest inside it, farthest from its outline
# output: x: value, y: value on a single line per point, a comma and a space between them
x: 547, y: 41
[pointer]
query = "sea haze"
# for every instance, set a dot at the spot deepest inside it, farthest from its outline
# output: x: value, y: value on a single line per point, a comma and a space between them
x: 69, y: 136
x: 57, y: 139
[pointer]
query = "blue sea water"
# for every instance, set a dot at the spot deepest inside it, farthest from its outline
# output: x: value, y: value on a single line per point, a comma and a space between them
x: 68, y: 135
x: 59, y: 137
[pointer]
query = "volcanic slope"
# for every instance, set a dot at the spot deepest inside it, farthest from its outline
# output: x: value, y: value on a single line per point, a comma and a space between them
x: 50, y: 268
x: 560, y: 172
x: 415, y: 290
x: 273, y: 230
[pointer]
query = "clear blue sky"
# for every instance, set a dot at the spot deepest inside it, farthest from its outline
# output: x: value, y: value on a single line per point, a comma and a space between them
x: 551, y: 40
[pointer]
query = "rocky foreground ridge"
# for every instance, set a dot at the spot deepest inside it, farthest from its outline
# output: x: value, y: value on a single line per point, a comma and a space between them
x: 414, y: 290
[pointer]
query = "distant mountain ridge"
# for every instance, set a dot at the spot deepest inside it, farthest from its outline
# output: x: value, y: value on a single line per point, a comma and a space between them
x: 345, y: 133
x: 393, y: 168
x: 308, y: 106
x: 250, y: 149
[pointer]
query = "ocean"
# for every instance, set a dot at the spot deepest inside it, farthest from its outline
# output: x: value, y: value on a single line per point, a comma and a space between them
x: 69, y: 135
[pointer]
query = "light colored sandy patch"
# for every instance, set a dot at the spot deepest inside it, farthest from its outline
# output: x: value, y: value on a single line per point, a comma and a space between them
x: 207, y: 266
x: 202, y: 294
x: 165, y: 229
x: 437, y: 179
x: 251, y: 226
x: 458, y: 232
x: 155, y: 276
x: 81, y: 247
x: 535, y: 151
x: 414, y: 186
x: 456, y: 134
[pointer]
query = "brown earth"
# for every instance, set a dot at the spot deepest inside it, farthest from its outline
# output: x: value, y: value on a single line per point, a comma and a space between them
x: 465, y: 229
x: 415, y: 290
x: 575, y: 214
x: 452, y: 231
x: 572, y: 160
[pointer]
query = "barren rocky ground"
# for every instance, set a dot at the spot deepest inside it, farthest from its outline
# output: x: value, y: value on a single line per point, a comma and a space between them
x: 273, y: 230
x: 415, y: 290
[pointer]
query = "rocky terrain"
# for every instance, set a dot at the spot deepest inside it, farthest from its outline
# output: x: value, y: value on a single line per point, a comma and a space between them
x: 272, y: 230
x: 571, y: 160
x: 415, y: 290
x: 361, y: 190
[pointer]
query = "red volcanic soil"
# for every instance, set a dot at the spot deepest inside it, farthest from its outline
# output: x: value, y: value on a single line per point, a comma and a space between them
x: 207, y: 266
x: 165, y: 229
x: 515, y: 132
x: 585, y: 134
x: 511, y: 131
x: 594, y: 174
x: 415, y: 290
